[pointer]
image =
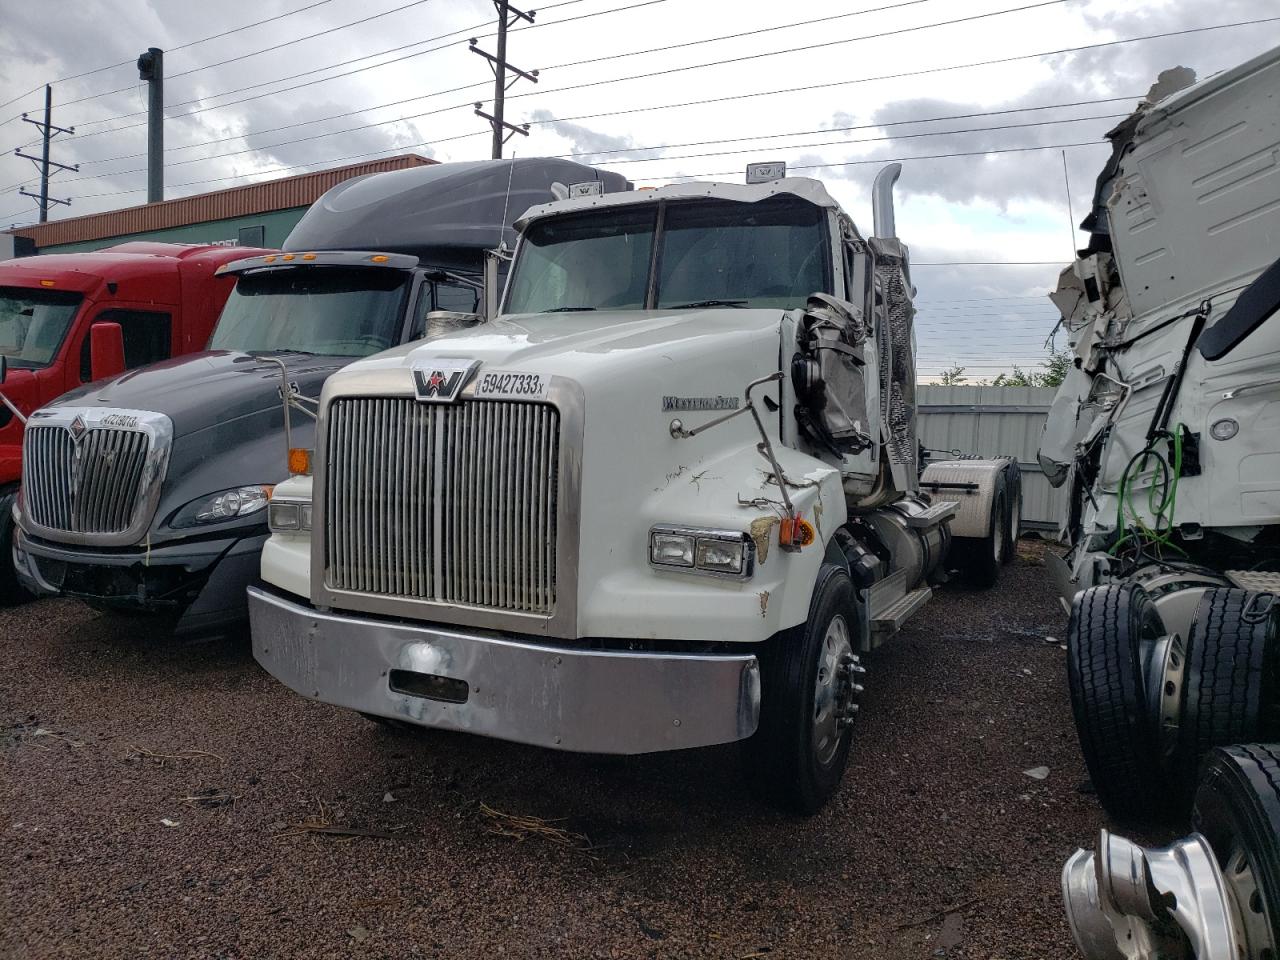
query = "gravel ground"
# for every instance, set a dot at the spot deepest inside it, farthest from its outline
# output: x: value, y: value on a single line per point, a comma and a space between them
x: 151, y: 798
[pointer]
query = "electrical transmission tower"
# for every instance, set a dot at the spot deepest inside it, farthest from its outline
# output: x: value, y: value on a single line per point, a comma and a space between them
x: 47, y: 132
x: 503, y: 131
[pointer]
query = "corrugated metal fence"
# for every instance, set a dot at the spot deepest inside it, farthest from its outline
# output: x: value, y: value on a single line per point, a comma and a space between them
x: 996, y: 422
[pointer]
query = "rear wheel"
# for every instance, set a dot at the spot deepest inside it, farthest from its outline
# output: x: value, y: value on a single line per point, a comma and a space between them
x: 1108, y: 627
x: 1230, y: 657
x: 809, y: 677
x: 1237, y: 809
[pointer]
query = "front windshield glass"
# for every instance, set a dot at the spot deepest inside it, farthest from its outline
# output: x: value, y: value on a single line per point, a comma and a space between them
x: 33, y: 324
x: 332, y: 311
x: 768, y: 254
x: 713, y: 253
x: 594, y: 261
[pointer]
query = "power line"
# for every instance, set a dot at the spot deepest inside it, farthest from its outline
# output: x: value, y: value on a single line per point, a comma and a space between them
x: 255, y: 53
x: 465, y: 32
x: 181, y: 46
x: 904, y: 136
x: 936, y: 156
x: 910, y: 73
x: 931, y: 156
x: 832, y: 143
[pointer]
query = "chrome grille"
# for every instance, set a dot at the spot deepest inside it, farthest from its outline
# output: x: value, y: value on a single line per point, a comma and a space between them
x: 89, y: 486
x: 452, y: 503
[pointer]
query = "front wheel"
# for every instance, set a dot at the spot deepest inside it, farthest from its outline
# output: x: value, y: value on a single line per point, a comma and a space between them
x: 12, y: 592
x: 809, y: 688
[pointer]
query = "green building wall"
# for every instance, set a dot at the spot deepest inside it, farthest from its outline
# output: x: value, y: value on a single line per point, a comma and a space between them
x: 276, y: 226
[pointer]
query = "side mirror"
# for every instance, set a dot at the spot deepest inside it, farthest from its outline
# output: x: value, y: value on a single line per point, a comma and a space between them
x: 106, y: 350
x: 4, y: 368
x: 492, y: 265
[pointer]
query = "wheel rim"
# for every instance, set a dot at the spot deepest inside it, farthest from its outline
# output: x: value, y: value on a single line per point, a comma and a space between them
x: 833, y: 690
x: 1248, y: 904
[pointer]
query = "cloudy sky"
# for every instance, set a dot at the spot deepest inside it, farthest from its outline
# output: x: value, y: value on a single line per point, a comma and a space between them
x: 658, y: 90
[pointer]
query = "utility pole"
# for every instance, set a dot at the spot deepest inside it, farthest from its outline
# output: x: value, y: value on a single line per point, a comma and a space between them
x: 151, y: 69
x: 503, y: 131
x: 47, y: 132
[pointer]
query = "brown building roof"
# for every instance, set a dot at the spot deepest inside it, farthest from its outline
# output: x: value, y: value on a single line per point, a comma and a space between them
x: 281, y: 194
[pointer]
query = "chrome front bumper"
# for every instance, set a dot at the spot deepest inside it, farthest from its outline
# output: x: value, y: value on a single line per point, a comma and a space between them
x: 565, y: 698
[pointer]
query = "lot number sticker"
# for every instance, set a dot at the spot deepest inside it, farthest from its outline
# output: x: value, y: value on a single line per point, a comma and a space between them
x: 508, y: 385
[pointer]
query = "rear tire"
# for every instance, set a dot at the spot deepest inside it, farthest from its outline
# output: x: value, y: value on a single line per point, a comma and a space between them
x: 984, y: 556
x: 1104, y: 672
x: 12, y: 592
x: 1013, y: 512
x: 1228, y: 682
x: 1237, y: 809
x: 799, y: 752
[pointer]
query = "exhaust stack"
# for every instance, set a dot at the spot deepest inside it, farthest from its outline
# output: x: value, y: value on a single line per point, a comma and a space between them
x: 882, y: 202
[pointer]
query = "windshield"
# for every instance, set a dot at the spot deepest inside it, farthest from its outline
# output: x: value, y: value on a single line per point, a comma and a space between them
x: 33, y: 324
x: 331, y: 311
x: 716, y: 253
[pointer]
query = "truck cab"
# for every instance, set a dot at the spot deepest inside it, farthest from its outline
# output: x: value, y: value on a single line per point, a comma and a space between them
x: 146, y: 493
x: 163, y: 297
x: 666, y: 499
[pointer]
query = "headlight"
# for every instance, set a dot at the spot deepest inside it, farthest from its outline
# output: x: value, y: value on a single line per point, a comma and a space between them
x: 721, y: 553
x: 226, y: 505
x: 285, y: 516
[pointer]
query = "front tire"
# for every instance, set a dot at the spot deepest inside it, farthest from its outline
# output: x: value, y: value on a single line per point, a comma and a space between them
x: 12, y: 592
x: 809, y: 677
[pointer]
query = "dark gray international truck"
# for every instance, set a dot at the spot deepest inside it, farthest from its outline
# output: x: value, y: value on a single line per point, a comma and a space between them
x: 146, y: 493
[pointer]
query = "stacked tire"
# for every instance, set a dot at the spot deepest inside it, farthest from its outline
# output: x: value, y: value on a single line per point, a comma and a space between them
x: 1194, y: 737
x: 1224, y: 691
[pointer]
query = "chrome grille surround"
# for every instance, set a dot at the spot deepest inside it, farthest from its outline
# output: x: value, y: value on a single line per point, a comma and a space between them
x: 92, y: 475
x: 496, y: 548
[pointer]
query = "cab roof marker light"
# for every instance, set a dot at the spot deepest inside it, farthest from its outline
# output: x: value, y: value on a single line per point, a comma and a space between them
x: 379, y: 258
x: 308, y: 256
x: 287, y: 256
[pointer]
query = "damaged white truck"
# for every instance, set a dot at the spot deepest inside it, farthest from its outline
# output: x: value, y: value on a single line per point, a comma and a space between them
x: 1167, y: 433
x: 665, y: 499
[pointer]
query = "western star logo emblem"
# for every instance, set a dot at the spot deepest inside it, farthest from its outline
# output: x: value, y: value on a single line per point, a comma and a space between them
x: 77, y: 428
x: 440, y: 381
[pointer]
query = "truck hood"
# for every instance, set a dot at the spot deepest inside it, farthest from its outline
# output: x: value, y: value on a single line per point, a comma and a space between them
x: 200, y: 390
x: 581, y: 345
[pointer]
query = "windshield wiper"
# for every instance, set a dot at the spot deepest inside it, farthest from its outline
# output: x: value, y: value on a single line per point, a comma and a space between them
x: 567, y: 309
x: 705, y: 303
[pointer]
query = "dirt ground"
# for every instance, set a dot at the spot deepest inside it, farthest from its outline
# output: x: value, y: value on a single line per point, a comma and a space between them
x: 159, y: 799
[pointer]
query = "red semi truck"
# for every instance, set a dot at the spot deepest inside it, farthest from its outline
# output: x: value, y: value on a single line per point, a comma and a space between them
x: 67, y: 319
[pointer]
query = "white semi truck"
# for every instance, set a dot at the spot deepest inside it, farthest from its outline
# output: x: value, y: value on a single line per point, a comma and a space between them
x: 665, y: 499
x: 1167, y: 435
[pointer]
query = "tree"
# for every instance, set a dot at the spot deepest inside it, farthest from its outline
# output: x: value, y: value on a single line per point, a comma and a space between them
x: 1055, y: 371
x: 953, y: 376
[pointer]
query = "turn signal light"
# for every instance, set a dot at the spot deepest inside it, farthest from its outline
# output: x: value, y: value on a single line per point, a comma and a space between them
x: 796, y: 533
x: 47, y: 283
x: 300, y: 461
